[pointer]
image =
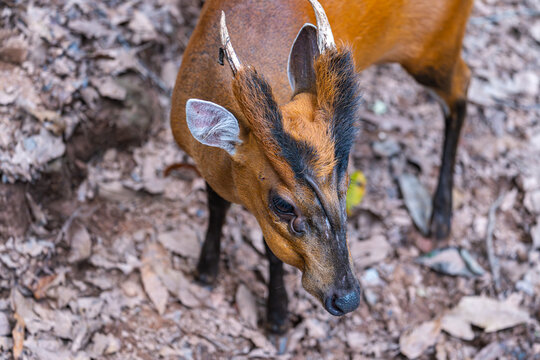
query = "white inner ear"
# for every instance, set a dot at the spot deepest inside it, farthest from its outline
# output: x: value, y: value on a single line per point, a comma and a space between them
x: 289, y: 76
x: 213, y: 125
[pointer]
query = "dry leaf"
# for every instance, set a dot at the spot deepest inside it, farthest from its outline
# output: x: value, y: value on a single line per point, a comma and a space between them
x: 104, y: 345
x: 247, y: 307
x: 141, y: 25
x: 108, y: 88
x: 80, y: 242
x: 154, y: 255
x: 452, y: 261
x: 417, y: 200
x: 489, y: 314
x: 5, y: 329
x: 184, y: 242
x: 90, y: 29
x: 413, y: 343
x: 368, y: 252
x: 493, y: 351
x: 179, y: 286
x: 457, y: 327
x: 18, y: 336
x: 42, y: 285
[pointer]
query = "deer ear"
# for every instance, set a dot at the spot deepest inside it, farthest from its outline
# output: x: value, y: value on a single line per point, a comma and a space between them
x: 300, y: 68
x: 212, y: 125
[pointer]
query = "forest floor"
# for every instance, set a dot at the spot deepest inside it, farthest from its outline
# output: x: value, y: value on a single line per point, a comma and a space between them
x: 105, y: 270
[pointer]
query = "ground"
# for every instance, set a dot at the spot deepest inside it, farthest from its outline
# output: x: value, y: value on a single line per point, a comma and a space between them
x: 98, y: 247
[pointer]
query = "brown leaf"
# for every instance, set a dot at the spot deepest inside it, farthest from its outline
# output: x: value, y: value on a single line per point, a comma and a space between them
x: 80, y: 242
x: 493, y: 351
x: 413, y: 343
x: 457, y: 327
x: 489, y: 314
x: 179, y: 286
x: 141, y: 25
x: 154, y: 256
x: 108, y: 88
x: 18, y: 336
x: 417, y: 200
x: 247, y: 307
x: 89, y: 28
x: 369, y: 252
x: 184, y: 242
x: 42, y: 285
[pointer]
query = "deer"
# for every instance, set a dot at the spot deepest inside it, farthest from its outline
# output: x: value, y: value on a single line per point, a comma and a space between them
x: 274, y: 131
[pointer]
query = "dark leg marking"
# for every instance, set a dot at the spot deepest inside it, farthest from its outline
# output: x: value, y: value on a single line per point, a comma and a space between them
x: 276, y: 307
x: 208, y: 266
x: 442, y: 200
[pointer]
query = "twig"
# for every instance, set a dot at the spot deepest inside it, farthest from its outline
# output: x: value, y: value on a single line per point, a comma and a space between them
x: 493, y: 261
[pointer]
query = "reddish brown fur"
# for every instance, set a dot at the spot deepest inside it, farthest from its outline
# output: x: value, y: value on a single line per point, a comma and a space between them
x: 304, y: 122
x: 423, y: 35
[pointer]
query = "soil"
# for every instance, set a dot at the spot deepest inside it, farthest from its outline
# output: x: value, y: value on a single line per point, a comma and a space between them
x: 98, y: 248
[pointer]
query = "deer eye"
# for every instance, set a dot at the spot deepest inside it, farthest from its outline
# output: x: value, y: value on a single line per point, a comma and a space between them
x: 282, y: 207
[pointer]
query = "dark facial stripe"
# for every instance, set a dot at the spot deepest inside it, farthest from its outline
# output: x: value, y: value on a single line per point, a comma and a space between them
x: 345, y: 104
x: 298, y: 154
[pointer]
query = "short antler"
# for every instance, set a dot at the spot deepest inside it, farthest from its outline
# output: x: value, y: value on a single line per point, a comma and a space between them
x: 227, y: 46
x: 325, y: 38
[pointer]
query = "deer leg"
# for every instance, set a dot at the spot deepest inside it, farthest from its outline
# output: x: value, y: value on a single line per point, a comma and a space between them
x: 442, y: 200
x: 208, y: 266
x: 450, y: 83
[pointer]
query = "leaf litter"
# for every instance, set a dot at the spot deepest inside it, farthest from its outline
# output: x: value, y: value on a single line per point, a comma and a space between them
x: 90, y: 87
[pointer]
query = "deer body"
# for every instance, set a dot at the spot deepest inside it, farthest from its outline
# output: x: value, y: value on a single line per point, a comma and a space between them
x: 424, y: 36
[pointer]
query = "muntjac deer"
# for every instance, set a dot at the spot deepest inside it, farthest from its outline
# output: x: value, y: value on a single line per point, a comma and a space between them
x: 274, y: 134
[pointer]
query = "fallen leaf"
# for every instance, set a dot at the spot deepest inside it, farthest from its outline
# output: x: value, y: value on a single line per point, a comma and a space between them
x: 417, y: 200
x: 5, y: 329
x: 141, y: 25
x: 457, y: 327
x: 356, y: 190
x: 493, y: 351
x: 183, y: 241
x: 368, y: 252
x: 316, y: 329
x: 452, y: 261
x: 535, y: 234
x: 179, y: 286
x: 154, y: 255
x: 80, y: 242
x: 489, y: 314
x: 104, y: 345
x: 89, y: 28
x: 386, y: 148
x: 13, y: 47
x: 246, y: 305
x: 357, y: 340
x: 42, y: 285
x: 18, y: 336
x: 413, y: 343
x: 532, y: 201
x: 108, y: 88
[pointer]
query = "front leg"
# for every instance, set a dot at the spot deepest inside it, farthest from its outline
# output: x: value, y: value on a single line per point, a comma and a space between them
x: 208, y: 266
x: 276, y: 307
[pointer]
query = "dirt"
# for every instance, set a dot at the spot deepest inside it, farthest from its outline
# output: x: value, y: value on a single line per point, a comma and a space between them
x: 98, y: 248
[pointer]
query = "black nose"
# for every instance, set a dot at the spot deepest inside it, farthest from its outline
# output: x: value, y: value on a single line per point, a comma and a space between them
x: 339, y: 304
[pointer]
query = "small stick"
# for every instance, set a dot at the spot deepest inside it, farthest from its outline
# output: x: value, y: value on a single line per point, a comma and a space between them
x: 493, y: 261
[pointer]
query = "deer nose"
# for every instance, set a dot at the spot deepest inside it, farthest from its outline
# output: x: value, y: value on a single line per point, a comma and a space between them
x: 341, y: 302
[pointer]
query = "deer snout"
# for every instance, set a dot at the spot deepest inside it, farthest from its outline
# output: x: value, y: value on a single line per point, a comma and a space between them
x: 342, y: 301
x: 338, y: 296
